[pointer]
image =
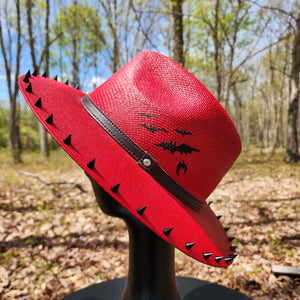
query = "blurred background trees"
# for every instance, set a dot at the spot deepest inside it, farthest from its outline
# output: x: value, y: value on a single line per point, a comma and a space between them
x: 246, y: 52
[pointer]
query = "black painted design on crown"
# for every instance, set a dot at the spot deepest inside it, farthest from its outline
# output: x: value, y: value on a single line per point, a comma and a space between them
x: 172, y: 147
x: 181, y: 166
x: 147, y: 115
x: 183, y: 132
x: 153, y: 129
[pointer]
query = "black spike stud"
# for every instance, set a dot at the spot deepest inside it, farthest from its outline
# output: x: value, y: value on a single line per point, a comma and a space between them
x: 49, y: 120
x: 38, y: 102
x: 34, y: 73
x: 226, y: 228
x: 44, y: 74
x: 233, y: 256
x: 207, y: 255
x: 231, y: 239
x: 27, y: 76
x: 219, y: 217
x: 67, y: 82
x: 67, y: 140
x: 209, y: 202
x: 228, y: 260
x: 115, y: 188
x: 55, y: 78
x: 167, y: 231
x: 141, y: 210
x: 77, y: 87
x: 232, y: 248
x: 29, y: 88
x: 189, y: 246
x: 91, y: 164
x: 218, y: 259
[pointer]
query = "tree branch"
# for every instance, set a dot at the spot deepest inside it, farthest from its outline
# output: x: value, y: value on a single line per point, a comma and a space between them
x: 73, y: 184
x: 274, y: 8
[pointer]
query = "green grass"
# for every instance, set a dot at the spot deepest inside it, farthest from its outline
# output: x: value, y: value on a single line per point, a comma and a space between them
x: 257, y: 163
x: 33, y: 161
x: 7, y: 257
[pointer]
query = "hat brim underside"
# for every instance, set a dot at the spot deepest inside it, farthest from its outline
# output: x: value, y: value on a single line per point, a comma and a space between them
x: 196, y: 233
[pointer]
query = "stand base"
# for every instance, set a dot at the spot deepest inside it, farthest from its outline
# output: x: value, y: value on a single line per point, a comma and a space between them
x: 189, y: 289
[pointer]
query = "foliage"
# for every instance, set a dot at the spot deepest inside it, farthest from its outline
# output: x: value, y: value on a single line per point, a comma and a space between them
x: 240, y: 50
x: 82, y: 37
x: 29, y: 131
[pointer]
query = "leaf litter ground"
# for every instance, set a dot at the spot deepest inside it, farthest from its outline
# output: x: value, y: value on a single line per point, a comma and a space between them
x: 54, y: 240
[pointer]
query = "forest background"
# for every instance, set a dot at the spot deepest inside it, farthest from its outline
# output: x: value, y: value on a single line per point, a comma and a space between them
x: 246, y: 52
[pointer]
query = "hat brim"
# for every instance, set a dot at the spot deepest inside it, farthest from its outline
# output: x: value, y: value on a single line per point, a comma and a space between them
x: 113, y: 165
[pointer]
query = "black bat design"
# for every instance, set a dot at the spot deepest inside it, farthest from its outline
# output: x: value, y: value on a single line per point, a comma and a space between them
x: 172, y: 147
x: 181, y: 166
x: 153, y: 128
x: 147, y: 115
x: 183, y: 132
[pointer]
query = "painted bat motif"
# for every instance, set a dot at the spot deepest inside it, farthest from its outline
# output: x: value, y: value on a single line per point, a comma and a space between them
x: 153, y: 128
x: 181, y: 166
x: 147, y: 115
x: 172, y: 147
x: 182, y: 132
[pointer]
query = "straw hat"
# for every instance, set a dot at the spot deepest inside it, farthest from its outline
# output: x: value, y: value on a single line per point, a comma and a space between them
x: 155, y: 139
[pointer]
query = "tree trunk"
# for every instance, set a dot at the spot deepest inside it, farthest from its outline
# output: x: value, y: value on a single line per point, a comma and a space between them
x: 75, y: 63
x: 178, y: 31
x: 44, y: 145
x: 292, y: 153
x: 111, y: 15
x: 14, y: 132
x: 31, y: 39
x: 216, y: 51
x: 115, y: 37
x: 13, y: 128
x: 238, y: 112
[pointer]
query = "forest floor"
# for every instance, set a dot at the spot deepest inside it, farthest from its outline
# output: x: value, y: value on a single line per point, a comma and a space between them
x: 54, y: 240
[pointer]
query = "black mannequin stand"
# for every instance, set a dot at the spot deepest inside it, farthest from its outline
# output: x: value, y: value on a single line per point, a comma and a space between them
x: 151, y: 274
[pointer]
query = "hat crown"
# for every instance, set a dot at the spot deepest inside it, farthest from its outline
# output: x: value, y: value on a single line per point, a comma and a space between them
x: 170, y: 114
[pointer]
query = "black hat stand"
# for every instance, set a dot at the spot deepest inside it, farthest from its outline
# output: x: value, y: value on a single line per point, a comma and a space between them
x: 151, y: 274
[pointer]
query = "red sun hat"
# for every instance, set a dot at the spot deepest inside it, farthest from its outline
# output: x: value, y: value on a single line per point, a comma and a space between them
x: 155, y: 139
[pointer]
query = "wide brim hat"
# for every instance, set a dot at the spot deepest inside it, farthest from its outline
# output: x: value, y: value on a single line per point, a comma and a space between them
x: 155, y: 139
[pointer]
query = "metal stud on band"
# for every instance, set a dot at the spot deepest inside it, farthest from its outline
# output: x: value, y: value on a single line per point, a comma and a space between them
x: 147, y: 162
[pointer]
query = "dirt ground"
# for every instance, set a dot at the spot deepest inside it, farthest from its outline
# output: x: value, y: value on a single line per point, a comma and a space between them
x: 54, y: 240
